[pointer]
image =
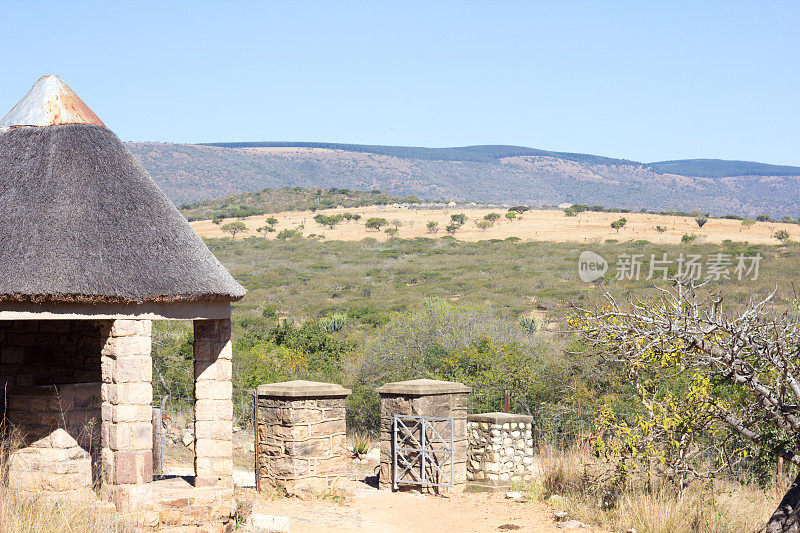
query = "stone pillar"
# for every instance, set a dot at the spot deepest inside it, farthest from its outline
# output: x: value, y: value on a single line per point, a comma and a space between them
x: 301, y: 435
x: 213, y: 403
x: 500, y: 450
x: 425, y: 397
x: 127, y: 432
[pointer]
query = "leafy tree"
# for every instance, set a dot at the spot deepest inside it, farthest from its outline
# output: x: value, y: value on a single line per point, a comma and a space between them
x: 787, y: 219
x: 688, y: 239
x: 703, y: 371
x: 233, y: 228
x: 511, y: 215
x: 484, y: 224
x: 375, y: 223
x: 748, y: 223
x: 661, y: 229
x: 328, y: 220
x: 432, y: 226
x: 391, y: 231
x: 218, y: 219
x: 459, y: 218
x: 763, y: 218
x: 397, y: 223
x: 619, y: 224
x: 701, y: 220
x: 452, y: 228
x: 782, y: 235
x: 492, y: 217
x: 519, y: 209
x: 570, y: 212
x: 269, y: 227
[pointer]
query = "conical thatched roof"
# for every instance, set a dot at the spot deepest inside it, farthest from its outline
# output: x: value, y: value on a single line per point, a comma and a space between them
x: 82, y: 221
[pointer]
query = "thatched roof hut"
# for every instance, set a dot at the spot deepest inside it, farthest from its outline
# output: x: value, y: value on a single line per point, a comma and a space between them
x: 83, y: 222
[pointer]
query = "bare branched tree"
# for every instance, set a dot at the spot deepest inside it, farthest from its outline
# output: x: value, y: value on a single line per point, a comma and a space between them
x: 754, y: 351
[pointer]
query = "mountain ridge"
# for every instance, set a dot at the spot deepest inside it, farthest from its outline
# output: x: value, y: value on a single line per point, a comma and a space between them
x: 483, y: 173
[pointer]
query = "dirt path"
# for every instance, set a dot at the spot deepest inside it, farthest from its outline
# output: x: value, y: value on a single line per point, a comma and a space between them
x: 367, y: 509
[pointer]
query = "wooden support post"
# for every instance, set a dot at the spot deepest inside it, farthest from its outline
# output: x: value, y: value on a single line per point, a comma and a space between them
x: 506, y: 401
x: 158, y: 441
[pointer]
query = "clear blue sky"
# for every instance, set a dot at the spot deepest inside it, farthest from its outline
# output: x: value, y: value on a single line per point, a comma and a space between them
x: 640, y: 80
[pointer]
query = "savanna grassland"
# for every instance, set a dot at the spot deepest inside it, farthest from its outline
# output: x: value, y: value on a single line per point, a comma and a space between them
x: 488, y: 308
x: 534, y: 225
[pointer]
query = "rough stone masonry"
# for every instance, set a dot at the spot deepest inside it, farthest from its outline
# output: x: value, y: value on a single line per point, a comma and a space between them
x: 301, y: 438
x: 500, y: 449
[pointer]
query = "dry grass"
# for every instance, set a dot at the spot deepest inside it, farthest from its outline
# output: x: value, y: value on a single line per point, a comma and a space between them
x: 40, y: 513
x: 718, y: 506
x: 538, y: 225
x: 23, y: 511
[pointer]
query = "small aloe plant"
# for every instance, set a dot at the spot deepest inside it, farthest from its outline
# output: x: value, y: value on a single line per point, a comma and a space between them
x: 361, y: 444
x: 333, y: 323
x: 528, y: 323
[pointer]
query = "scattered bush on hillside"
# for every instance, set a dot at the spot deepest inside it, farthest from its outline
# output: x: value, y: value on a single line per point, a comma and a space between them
x: 492, y: 217
x: 452, y: 228
x: 661, y: 229
x: 688, y: 239
x: 748, y: 222
x: 432, y: 227
x: 782, y: 235
x: 391, y: 232
x: 701, y: 220
x: 289, y: 234
x: 484, y: 224
x: 217, y: 220
x: 619, y: 224
x: 511, y: 216
x: 519, y: 208
x: 764, y: 218
x: 570, y: 212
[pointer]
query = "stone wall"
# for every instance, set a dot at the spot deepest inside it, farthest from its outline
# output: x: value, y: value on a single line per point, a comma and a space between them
x: 301, y: 435
x: 500, y: 449
x: 55, y: 435
x: 46, y: 352
x: 425, y: 397
x: 50, y: 381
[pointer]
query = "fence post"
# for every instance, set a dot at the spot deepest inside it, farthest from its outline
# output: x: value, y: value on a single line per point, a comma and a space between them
x: 506, y: 401
x: 158, y: 441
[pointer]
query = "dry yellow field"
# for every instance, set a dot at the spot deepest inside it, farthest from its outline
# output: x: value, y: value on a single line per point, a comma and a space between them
x: 541, y: 225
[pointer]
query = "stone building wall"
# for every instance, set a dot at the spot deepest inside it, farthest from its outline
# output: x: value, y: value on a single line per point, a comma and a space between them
x: 55, y: 436
x: 301, y: 435
x: 46, y: 352
x: 500, y: 449
x: 50, y: 402
x: 424, y: 397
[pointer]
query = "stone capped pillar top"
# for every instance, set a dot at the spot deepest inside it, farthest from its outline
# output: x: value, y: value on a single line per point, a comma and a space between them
x: 302, y: 389
x: 423, y: 387
x: 499, y: 418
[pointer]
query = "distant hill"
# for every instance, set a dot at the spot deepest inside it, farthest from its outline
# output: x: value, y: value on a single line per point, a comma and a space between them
x: 287, y: 199
x: 506, y: 174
